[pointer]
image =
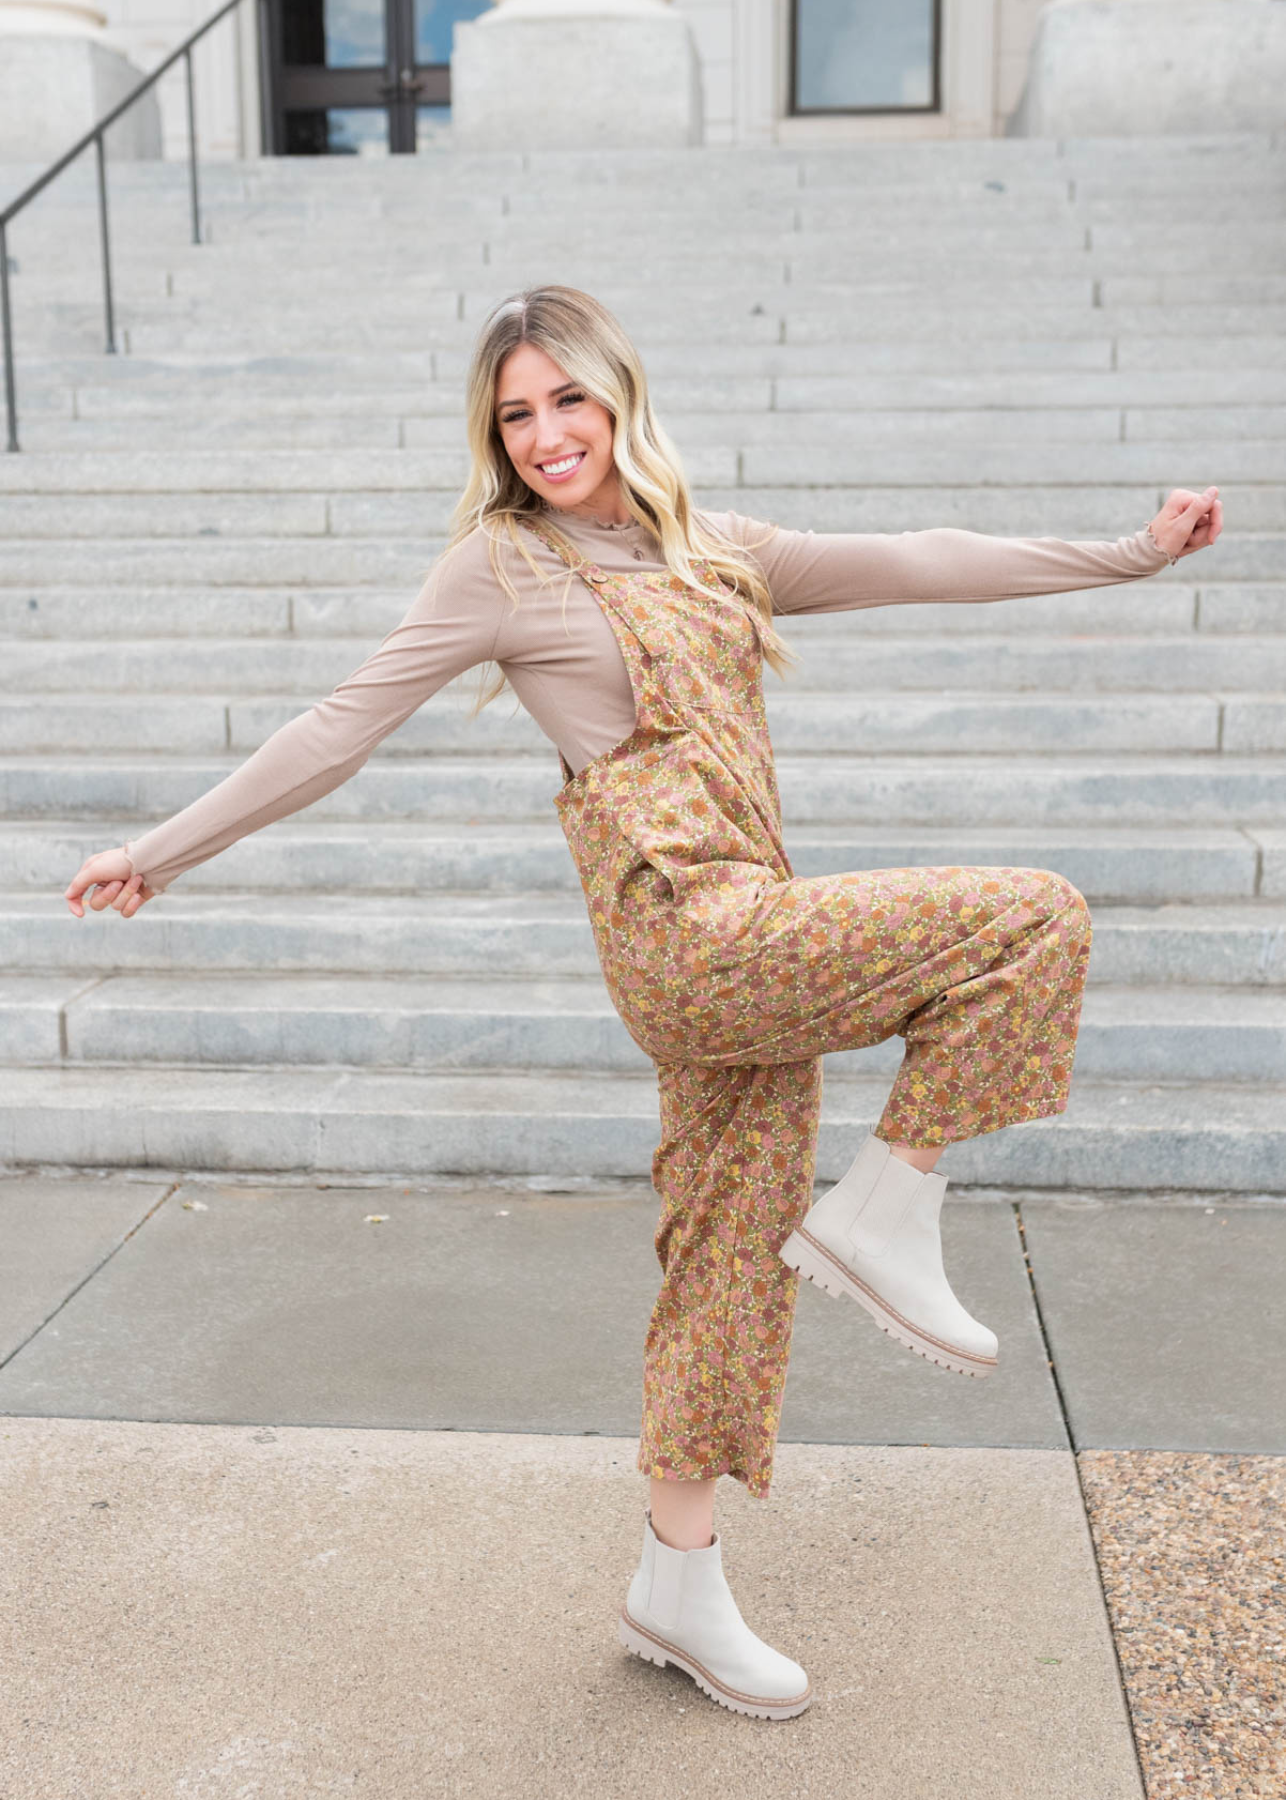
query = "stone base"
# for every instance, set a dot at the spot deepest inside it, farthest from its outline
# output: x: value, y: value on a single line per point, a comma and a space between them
x: 575, y: 81
x: 1127, y: 68
x: 53, y: 88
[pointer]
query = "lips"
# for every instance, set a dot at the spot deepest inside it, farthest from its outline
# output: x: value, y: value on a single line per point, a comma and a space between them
x: 563, y: 468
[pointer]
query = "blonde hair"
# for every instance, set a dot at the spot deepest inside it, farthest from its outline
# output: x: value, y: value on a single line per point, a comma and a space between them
x: 588, y: 344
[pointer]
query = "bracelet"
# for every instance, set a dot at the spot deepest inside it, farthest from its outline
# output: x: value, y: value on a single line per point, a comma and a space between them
x: 1171, y: 559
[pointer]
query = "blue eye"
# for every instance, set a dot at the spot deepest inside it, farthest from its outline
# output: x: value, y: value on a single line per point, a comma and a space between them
x: 572, y: 399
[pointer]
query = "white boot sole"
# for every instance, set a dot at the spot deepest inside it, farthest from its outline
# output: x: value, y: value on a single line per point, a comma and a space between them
x: 817, y: 1264
x: 655, y: 1650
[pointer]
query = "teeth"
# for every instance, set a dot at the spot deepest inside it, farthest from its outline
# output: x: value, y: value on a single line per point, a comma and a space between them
x: 560, y: 468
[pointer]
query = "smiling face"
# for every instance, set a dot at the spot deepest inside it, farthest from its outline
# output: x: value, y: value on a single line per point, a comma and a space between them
x: 558, y: 438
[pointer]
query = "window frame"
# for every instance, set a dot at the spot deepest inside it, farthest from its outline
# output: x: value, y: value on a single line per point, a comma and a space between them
x: 795, y: 111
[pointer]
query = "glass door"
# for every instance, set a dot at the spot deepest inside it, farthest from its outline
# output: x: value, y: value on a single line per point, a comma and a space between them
x: 361, y: 77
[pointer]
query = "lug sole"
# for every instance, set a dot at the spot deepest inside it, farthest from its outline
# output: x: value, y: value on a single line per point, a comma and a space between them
x: 642, y: 1643
x: 817, y: 1264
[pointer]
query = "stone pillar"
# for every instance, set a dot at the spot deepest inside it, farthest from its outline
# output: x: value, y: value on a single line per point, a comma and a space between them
x: 575, y: 75
x: 1125, y: 68
x: 57, y: 77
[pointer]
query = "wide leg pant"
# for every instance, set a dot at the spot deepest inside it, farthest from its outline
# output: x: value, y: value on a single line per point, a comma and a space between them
x: 980, y: 970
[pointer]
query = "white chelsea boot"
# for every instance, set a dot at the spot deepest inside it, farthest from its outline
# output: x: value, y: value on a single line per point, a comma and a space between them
x: 875, y: 1236
x: 680, y: 1610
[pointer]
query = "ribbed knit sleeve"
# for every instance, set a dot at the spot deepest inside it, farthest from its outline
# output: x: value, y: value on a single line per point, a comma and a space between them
x: 451, y: 626
x: 817, y: 572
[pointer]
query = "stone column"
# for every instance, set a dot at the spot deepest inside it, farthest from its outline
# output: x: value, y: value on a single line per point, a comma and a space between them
x: 57, y: 77
x: 575, y: 75
x: 1129, y: 68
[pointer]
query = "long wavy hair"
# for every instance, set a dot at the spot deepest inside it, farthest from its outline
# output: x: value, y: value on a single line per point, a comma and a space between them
x: 587, y: 342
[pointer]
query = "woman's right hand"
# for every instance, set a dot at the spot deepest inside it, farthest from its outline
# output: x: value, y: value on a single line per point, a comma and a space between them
x: 109, y: 873
x: 1187, y: 521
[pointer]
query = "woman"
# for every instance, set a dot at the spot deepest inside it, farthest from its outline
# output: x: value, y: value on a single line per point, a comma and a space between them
x: 731, y: 973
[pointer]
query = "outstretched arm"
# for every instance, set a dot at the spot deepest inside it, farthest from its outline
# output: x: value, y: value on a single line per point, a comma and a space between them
x: 451, y: 626
x: 812, y: 572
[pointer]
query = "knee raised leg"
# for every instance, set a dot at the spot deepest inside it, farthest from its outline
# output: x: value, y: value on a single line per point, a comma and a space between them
x: 1067, y: 905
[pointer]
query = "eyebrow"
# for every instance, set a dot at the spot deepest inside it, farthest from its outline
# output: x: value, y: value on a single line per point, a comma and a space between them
x: 519, y: 401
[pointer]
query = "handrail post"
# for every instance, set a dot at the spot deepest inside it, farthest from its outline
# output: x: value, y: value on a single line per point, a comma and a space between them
x: 96, y: 135
x: 103, y: 239
x: 6, y: 324
x: 196, y: 212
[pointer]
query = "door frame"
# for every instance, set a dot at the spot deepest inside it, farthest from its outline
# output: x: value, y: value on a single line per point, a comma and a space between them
x: 397, y: 87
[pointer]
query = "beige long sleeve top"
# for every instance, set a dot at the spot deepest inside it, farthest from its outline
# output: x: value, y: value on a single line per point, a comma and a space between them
x: 560, y: 654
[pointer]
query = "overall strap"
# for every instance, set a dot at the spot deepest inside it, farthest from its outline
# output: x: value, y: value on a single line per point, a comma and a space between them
x: 587, y: 570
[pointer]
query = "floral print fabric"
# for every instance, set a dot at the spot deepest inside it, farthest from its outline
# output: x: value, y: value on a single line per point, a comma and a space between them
x: 736, y: 977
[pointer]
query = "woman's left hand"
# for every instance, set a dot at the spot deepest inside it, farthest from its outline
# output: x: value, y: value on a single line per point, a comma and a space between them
x: 1188, y: 521
x: 110, y: 873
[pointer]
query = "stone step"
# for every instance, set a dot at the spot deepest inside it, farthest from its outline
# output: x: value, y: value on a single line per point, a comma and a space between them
x: 858, y: 179
x: 1161, y: 610
x: 533, y: 935
x: 968, y: 789
x: 418, y: 374
x: 838, y: 654
x: 281, y: 430
x: 1096, y: 173
x: 422, y: 1023
x: 41, y: 432
x: 156, y: 324
x: 1253, y: 275
x: 829, y: 723
x: 379, y: 561
x: 181, y: 563
x: 233, y: 517
x: 150, y: 332
x: 779, y: 269
x: 1149, y: 1137
x: 992, y: 423
x: 1137, y: 864
x: 150, y: 256
x: 709, y: 441
x: 487, y: 249
x: 1113, y: 338
x: 937, y: 724
x: 1045, y: 193
x: 158, y: 390
x: 395, y: 448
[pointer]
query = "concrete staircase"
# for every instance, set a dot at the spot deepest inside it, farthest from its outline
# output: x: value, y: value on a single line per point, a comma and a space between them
x: 206, y: 533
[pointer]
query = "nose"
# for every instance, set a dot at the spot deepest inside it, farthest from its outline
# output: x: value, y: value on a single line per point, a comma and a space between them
x: 549, y: 435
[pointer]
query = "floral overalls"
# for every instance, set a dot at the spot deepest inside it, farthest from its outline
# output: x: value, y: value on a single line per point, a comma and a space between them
x: 736, y: 976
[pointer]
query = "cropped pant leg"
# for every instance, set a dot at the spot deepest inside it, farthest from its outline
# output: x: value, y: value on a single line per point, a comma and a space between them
x: 734, y: 1172
x: 980, y: 970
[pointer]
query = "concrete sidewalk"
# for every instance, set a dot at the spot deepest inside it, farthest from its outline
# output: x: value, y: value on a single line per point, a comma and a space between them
x: 298, y: 1502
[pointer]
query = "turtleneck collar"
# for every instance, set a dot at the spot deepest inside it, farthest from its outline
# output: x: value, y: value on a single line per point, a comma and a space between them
x: 563, y: 516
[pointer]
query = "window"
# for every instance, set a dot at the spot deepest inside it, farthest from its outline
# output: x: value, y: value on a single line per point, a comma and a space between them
x: 865, y: 56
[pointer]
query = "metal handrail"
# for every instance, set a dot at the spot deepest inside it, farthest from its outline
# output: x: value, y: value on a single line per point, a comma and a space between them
x: 95, y: 136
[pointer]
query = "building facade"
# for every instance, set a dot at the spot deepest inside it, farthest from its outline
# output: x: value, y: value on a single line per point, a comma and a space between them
x: 372, y: 77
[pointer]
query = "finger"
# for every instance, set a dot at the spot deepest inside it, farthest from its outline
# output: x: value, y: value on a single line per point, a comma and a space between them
x: 127, y: 893
x: 78, y: 883
x: 104, y: 894
x: 1205, y: 521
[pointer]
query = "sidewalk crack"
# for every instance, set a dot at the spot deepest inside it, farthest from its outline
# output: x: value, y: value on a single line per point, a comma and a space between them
x: 1080, y: 1487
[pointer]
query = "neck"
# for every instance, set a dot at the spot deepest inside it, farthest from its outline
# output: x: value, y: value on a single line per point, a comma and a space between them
x: 606, y: 505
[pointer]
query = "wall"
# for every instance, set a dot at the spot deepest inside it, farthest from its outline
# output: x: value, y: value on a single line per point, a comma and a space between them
x: 223, y: 65
x: 743, y: 45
